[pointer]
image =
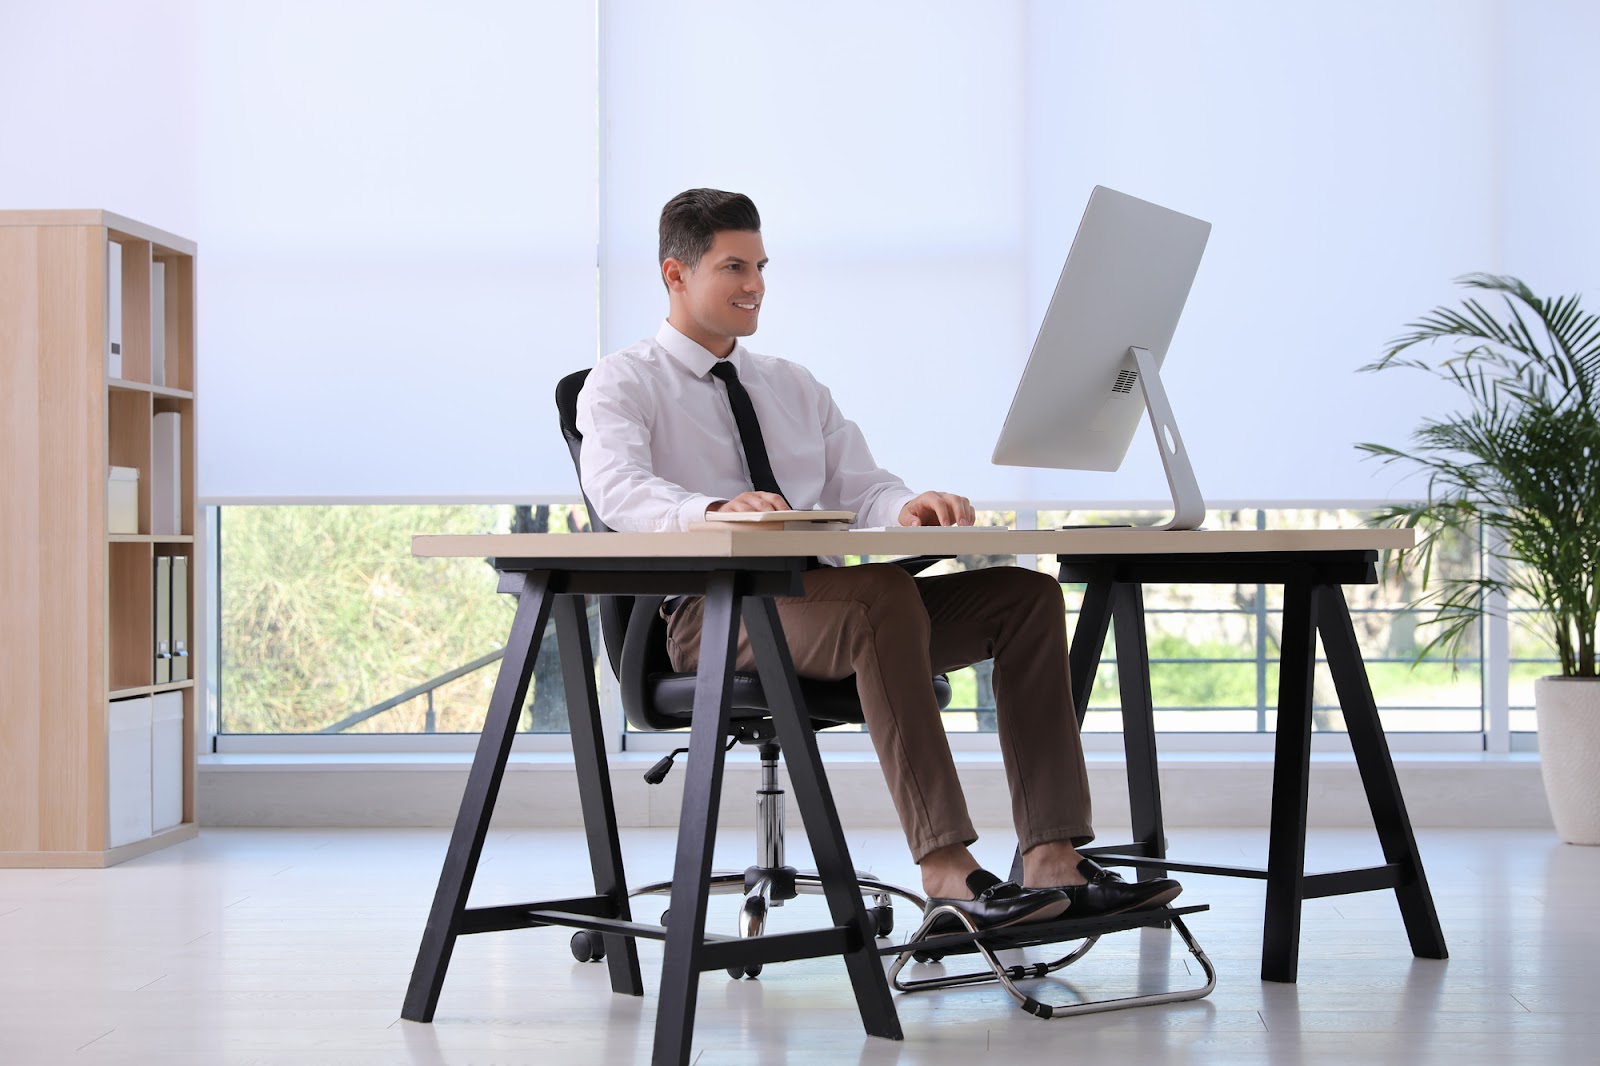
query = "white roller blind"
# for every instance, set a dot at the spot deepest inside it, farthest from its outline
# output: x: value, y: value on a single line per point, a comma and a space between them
x: 921, y: 168
x: 882, y: 144
x: 398, y: 206
x: 1347, y: 157
x: 398, y: 209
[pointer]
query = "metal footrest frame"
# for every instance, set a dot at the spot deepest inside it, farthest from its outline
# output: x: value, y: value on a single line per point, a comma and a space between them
x: 1088, y: 930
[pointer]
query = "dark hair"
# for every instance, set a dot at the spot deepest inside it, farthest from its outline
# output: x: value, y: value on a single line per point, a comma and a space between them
x: 693, y: 218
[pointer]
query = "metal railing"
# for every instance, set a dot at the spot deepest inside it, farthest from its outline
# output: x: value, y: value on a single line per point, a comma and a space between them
x: 427, y: 689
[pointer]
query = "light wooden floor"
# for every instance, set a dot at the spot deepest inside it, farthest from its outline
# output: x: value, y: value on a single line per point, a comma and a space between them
x: 294, y: 946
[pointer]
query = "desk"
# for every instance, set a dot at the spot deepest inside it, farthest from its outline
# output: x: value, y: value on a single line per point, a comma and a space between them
x: 739, y: 571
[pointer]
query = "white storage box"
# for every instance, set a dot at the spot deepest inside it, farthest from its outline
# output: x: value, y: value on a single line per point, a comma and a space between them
x: 166, y: 762
x: 122, y: 500
x: 128, y: 771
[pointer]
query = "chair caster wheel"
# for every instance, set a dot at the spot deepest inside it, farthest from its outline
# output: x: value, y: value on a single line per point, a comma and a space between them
x: 752, y: 970
x: 587, y: 946
x: 883, y: 919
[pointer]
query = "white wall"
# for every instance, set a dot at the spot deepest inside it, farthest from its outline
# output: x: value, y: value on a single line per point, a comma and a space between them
x: 398, y: 218
x: 97, y: 108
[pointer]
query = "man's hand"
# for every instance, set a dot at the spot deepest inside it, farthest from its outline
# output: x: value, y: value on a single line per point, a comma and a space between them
x: 752, y: 501
x: 938, y: 509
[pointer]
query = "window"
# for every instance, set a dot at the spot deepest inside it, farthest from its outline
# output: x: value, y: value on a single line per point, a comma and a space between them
x: 328, y: 624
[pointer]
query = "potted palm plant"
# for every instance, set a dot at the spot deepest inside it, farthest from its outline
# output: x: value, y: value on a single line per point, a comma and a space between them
x: 1521, y: 459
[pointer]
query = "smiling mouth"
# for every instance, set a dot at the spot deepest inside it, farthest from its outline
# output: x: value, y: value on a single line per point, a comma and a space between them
x: 747, y: 307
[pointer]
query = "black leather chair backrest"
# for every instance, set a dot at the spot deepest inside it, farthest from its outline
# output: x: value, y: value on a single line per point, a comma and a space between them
x: 644, y: 638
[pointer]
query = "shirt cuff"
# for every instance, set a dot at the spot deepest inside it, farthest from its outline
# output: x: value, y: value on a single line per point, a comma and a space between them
x: 885, y: 510
x: 694, y: 510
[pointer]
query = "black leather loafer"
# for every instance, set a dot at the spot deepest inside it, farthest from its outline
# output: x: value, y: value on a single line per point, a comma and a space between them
x: 996, y: 904
x: 1107, y: 893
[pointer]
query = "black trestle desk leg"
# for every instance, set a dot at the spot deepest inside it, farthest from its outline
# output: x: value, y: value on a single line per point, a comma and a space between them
x: 1138, y: 723
x: 594, y: 786
x: 1378, y: 778
x: 1089, y: 642
x: 1286, y: 847
x: 697, y: 824
x: 477, y: 802
x: 821, y: 817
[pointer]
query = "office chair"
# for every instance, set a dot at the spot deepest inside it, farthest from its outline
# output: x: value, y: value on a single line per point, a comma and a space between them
x: 657, y: 698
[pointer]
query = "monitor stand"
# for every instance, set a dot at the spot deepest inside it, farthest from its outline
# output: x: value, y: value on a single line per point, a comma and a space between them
x: 1188, y: 506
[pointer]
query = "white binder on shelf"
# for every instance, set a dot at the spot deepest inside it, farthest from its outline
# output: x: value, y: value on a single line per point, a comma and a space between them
x: 158, y: 322
x: 163, y: 648
x: 113, y: 310
x: 166, y: 473
x: 180, y: 618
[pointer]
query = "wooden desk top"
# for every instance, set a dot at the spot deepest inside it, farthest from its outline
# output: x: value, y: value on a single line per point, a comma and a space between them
x: 743, y: 543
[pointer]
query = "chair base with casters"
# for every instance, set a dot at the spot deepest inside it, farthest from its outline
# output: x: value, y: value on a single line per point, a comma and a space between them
x: 925, y: 949
x: 771, y: 882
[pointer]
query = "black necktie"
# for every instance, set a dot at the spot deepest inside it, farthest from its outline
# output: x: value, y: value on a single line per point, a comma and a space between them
x: 744, y: 416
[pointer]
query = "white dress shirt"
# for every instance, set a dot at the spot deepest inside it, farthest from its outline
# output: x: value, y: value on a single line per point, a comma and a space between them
x: 660, y: 444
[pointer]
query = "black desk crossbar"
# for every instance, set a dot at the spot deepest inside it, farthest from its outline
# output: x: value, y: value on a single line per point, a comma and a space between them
x: 522, y: 915
x: 1313, y: 886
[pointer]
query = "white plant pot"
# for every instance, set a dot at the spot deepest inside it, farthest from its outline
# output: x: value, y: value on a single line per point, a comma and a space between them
x: 1568, y: 709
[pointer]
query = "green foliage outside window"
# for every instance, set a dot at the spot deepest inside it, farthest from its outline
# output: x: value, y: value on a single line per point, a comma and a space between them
x: 326, y: 612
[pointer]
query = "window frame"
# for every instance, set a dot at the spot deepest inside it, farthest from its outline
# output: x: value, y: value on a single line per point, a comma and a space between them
x: 1494, y: 660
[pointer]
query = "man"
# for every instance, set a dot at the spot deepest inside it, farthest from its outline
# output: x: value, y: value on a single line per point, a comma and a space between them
x: 691, y: 422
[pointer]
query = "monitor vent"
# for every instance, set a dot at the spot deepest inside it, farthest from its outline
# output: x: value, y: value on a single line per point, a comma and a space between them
x: 1126, y: 379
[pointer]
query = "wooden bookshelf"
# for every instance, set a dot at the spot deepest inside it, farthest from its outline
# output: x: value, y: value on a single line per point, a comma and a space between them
x: 77, y: 618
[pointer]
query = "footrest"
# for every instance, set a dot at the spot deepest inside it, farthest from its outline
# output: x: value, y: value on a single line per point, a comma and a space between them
x: 1033, y: 934
x: 922, y: 947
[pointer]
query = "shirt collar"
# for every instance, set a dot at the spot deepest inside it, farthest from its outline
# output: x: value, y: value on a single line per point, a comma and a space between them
x: 692, y: 356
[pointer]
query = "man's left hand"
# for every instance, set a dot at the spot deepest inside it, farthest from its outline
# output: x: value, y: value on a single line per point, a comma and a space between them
x: 938, y: 509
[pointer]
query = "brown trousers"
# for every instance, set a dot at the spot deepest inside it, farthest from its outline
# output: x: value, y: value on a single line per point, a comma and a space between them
x: 894, y: 631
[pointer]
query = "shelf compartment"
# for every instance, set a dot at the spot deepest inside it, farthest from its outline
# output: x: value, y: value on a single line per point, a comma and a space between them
x: 190, y: 603
x: 135, y: 308
x: 177, y: 311
x: 131, y: 616
x: 184, y: 409
x: 128, y: 442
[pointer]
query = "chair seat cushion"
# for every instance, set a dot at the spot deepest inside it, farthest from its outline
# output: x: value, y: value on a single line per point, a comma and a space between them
x: 827, y: 702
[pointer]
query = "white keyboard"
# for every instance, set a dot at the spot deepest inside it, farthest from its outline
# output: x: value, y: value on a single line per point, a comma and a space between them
x: 933, y: 529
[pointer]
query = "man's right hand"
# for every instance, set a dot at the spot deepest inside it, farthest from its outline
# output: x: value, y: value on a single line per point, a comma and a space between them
x: 752, y: 501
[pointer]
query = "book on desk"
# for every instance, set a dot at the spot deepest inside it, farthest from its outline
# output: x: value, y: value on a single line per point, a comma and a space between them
x: 776, y: 521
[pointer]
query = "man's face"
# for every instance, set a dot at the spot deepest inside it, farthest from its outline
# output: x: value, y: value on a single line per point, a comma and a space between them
x: 721, y: 297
